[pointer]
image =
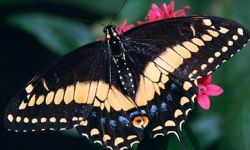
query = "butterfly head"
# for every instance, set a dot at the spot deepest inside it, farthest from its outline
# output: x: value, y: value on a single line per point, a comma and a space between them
x: 110, y: 31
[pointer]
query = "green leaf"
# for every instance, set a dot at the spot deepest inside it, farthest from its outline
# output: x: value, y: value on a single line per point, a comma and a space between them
x: 234, y: 78
x: 59, y: 34
x: 207, y: 129
x: 246, y: 124
x: 134, y: 11
x: 97, y: 7
x: 71, y: 132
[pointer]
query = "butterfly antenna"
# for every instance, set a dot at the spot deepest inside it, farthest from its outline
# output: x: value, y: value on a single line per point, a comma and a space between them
x: 89, y: 21
x: 100, y: 24
x: 119, y: 11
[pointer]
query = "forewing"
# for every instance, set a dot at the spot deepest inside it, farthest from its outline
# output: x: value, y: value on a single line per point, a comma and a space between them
x: 59, y: 96
x: 188, y: 47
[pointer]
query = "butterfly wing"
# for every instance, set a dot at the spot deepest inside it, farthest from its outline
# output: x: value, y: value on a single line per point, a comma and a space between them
x: 114, y: 129
x: 188, y: 47
x: 59, y: 96
x: 166, y: 55
x: 169, y: 110
x: 75, y: 91
x: 174, y: 53
x: 165, y: 98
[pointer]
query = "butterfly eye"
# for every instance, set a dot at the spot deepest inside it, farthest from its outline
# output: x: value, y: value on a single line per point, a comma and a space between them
x: 105, y: 29
x: 113, y: 26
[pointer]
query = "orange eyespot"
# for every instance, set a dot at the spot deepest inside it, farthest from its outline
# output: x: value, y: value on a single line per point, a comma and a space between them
x: 145, y: 120
x: 140, y: 121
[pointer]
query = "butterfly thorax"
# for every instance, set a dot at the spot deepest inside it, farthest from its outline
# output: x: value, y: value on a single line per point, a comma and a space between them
x: 113, y: 40
x: 123, y: 66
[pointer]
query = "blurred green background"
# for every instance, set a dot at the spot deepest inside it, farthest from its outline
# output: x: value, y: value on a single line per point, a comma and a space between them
x: 34, y: 32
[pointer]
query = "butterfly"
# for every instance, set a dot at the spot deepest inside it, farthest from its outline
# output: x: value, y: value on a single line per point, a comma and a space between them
x: 143, y: 81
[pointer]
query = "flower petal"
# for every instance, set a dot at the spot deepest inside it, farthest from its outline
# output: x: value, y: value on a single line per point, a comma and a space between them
x: 205, y: 80
x: 182, y: 12
x: 153, y: 13
x: 123, y: 28
x: 203, y: 101
x: 155, y: 8
x: 141, y: 22
x: 171, y: 9
x: 164, y: 12
x: 213, y: 90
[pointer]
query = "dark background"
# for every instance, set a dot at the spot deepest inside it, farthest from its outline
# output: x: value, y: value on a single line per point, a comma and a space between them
x: 34, y: 32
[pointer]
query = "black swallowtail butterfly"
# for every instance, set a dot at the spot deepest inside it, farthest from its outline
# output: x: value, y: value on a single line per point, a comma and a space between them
x: 143, y: 81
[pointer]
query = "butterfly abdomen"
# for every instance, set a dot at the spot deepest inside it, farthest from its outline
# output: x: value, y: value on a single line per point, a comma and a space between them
x: 125, y: 76
x: 124, y: 71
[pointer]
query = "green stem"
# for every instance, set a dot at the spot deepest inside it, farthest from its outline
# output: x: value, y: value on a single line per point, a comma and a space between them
x: 192, y: 137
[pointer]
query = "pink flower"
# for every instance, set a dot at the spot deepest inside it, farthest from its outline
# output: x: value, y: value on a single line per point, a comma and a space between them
x: 164, y: 12
x: 156, y: 13
x: 207, y: 89
x: 123, y: 28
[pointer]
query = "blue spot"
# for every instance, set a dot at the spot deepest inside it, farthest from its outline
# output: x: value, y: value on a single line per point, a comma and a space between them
x: 124, y: 121
x: 164, y: 106
x: 84, y: 107
x: 103, y: 120
x: 137, y: 113
x: 143, y: 112
x: 132, y: 114
x: 93, y: 114
x: 112, y: 123
x: 153, y: 110
x: 173, y: 86
x: 169, y: 97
